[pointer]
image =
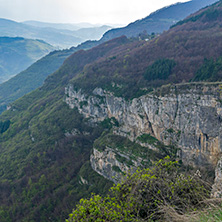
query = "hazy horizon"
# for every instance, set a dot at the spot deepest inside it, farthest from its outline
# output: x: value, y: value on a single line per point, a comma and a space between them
x: 80, y: 11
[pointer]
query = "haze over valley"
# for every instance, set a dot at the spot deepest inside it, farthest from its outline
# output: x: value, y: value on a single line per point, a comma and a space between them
x: 103, y: 122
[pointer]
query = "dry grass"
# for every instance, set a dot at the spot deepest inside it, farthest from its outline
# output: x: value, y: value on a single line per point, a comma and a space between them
x: 211, y: 213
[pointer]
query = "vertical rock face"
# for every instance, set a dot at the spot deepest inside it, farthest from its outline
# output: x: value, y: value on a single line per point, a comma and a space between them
x: 187, y: 115
x: 217, y: 187
x: 107, y: 165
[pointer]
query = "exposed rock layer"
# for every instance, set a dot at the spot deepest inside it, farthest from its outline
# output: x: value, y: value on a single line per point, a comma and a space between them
x: 186, y: 115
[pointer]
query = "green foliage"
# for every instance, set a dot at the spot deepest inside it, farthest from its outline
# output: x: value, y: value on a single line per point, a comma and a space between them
x: 127, y: 89
x: 143, y: 194
x: 160, y: 69
x: 147, y: 138
x: 126, y: 75
x: 192, y: 19
x: 212, y: 213
x: 124, y: 145
x: 44, y: 151
x: 96, y: 183
x: 208, y: 15
x: 100, y: 209
x: 4, y: 125
x: 4, y: 215
x: 41, y: 161
x: 163, y: 150
x: 83, y: 103
x: 158, y: 21
x: 211, y: 70
x: 117, y: 169
x: 108, y: 123
x: 170, y: 130
x: 124, y: 160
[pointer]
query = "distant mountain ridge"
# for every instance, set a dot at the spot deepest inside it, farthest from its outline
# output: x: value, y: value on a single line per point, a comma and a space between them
x: 31, y: 78
x: 69, y: 26
x: 46, y: 147
x: 58, y: 34
x: 62, y: 38
x: 26, y: 81
x: 16, y: 54
x: 85, y: 31
x: 159, y: 20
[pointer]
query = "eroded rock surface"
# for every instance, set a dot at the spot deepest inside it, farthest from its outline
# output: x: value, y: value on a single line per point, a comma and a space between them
x: 186, y: 115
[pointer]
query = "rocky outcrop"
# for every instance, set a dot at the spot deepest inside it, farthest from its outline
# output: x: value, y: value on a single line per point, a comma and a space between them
x: 217, y: 187
x: 186, y: 115
x: 107, y: 165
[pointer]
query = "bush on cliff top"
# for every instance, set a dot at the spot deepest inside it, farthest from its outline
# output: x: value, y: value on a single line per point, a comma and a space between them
x: 143, y: 196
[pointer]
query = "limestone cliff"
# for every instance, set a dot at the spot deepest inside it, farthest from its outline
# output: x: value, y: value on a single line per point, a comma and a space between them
x: 217, y: 187
x: 107, y: 164
x: 186, y: 115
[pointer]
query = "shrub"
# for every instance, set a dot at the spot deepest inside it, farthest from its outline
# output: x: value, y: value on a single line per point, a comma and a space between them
x: 143, y: 195
x: 4, y: 125
x: 101, y: 209
x: 210, y: 70
x: 160, y: 69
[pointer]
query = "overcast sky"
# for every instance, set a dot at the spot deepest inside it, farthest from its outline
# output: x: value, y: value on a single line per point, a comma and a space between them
x: 75, y: 11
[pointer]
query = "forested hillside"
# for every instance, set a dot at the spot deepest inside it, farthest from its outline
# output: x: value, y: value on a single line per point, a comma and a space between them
x: 49, y: 135
x: 160, y: 20
x: 34, y: 76
x: 173, y: 57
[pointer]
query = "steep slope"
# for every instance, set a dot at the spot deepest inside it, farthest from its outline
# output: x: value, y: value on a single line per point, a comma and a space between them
x: 21, y: 85
x: 59, y: 148
x: 173, y: 57
x: 16, y: 54
x: 98, y: 107
x: 182, y: 120
x: 160, y: 20
x: 34, y: 76
x: 31, y: 78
